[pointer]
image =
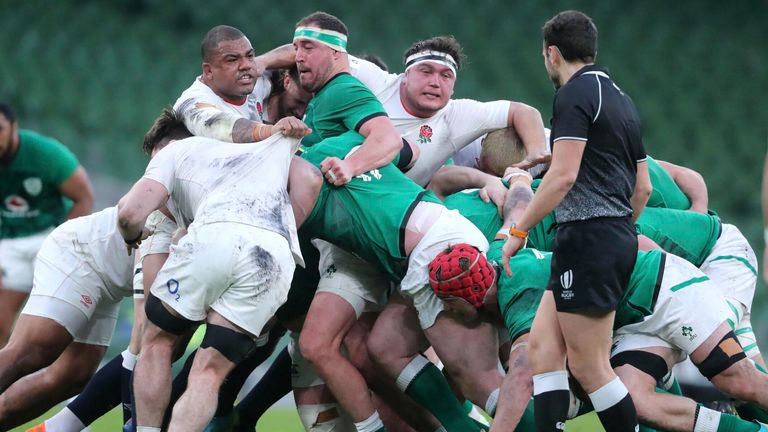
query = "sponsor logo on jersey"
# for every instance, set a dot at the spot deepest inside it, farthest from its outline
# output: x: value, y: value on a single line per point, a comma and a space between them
x: 33, y: 186
x: 566, y: 281
x: 16, y: 204
x: 425, y: 134
x: 86, y: 300
x: 260, y: 110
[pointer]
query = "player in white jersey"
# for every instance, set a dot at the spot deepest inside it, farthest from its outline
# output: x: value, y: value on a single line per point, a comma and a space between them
x: 82, y: 272
x: 232, y: 269
x: 235, y: 97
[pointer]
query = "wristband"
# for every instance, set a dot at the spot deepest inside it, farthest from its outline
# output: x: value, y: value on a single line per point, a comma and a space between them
x: 509, y: 176
x: 257, y: 131
x: 513, y: 231
x: 501, y: 235
x: 138, y: 237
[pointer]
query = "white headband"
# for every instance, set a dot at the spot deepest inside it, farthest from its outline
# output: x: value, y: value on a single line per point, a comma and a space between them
x: 432, y: 56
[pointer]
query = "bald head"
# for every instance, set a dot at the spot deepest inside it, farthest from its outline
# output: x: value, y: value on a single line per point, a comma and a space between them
x: 214, y: 37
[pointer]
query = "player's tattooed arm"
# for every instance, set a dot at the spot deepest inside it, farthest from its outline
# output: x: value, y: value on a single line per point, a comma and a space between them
x: 517, y: 199
x: 243, y: 131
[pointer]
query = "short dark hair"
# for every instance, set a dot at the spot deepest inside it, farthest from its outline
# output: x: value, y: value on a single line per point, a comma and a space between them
x: 373, y: 58
x: 7, y: 111
x: 215, y: 36
x: 276, y: 79
x: 574, y: 34
x: 325, y: 21
x: 444, y: 44
x: 169, y: 126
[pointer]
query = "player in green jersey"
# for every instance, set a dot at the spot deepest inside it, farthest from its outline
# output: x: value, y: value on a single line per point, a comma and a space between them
x: 658, y: 322
x: 340, y: 103
x: 41, y: 186
x: 676, y: 187
x: 344, y: 216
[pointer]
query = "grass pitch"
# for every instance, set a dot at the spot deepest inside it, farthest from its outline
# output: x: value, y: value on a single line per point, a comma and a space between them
x: 284, y: 420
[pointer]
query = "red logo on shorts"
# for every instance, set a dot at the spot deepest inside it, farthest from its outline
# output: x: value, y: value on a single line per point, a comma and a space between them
x: 87, y: 301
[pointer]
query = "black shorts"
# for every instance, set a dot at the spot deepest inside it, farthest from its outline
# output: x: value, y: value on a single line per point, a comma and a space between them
x: 592, y: 262
x: 303, y: 285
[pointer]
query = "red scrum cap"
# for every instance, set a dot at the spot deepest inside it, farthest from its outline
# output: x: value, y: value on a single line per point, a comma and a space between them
x: 461, y: 271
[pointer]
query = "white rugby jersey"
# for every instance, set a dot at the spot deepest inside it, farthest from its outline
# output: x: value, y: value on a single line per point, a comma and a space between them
x: 439, y: 137
x: 210, y: 181
x: 207, y: 114
x: 96, y: 241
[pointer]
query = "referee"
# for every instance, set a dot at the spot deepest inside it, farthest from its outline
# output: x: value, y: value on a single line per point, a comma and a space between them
x: 597, y: 184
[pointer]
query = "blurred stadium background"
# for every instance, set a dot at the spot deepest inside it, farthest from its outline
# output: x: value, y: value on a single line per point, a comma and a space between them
x: 94, y: 74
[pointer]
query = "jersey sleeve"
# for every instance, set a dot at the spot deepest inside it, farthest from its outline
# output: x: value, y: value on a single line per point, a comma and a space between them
x: 57, y: 161
x: 470, y: 119
x: 162, y: 167
x: 355, y: 104
x: 204, y: 118
x: 574, y: 111
x: 372, y: 76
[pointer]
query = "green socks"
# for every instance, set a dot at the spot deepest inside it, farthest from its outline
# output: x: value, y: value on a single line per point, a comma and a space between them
x: 425, y: 384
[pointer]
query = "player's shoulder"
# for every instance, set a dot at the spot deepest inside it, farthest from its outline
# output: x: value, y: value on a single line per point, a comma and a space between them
x: 196, y: 92
x: 37, y: 144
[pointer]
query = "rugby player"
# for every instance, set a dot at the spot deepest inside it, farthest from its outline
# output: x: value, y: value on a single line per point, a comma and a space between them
x: 235, y: 97
x: 670, y: 310
x: 82, y: 272
x: 227, y: 208
x: 41, y: 185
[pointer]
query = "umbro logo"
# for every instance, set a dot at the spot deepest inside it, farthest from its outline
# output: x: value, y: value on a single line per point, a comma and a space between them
x: 560, y: 426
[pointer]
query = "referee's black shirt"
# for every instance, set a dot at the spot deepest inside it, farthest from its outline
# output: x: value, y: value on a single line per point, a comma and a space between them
x: 591, y: 108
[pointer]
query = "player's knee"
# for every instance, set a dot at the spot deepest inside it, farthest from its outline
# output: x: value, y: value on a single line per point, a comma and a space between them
x: 316, y: 350
x: 545, y: 355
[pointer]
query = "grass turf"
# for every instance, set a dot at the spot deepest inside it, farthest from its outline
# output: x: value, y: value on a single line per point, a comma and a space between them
x: 284, y: 420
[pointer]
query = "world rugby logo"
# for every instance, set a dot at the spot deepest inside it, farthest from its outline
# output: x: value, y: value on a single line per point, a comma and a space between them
x: 566, y: 279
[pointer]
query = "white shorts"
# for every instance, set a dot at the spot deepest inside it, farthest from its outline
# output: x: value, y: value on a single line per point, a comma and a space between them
x: 449, y: 229
x: 17, y: 259
x: 360, y: 283
x: 732, y: 266
x: 688, y: 310
x: 68, y: 291
x: 240, y: 271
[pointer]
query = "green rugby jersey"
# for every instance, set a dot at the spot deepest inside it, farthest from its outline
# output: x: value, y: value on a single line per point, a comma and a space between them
x: 520, y: 294
x: 689, y: 235
x: 29, y: 186
x: 368, y: 215
x: 342, y: 105
x: 484, y: 216
x: 665, y: 193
